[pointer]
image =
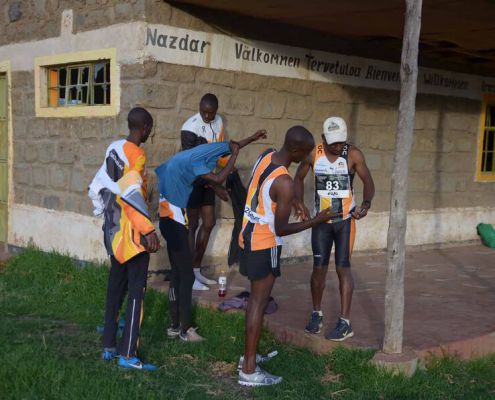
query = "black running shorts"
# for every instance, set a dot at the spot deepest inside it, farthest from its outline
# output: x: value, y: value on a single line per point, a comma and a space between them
x: 258, y: 264
x: 201, y: 196
x: 323, y: 237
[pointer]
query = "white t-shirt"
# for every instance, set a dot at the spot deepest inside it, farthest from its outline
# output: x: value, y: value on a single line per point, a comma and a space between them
x: 212, y: 131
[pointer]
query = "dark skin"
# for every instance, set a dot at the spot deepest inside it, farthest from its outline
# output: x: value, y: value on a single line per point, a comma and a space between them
x: 138, y: 136
x: 199, y: 243
x: 282, y: 193
x: 356, y: 163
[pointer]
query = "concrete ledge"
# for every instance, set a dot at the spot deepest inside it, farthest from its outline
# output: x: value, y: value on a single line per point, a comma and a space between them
x: 404, y: 363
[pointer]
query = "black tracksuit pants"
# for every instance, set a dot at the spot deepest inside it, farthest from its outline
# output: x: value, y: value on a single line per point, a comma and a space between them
x: 182, y: 275
x: 129, y: 277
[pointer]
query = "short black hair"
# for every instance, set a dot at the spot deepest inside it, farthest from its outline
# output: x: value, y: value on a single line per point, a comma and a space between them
x: 298, y: 136
x: 209, y: 99
x: 138, y: 118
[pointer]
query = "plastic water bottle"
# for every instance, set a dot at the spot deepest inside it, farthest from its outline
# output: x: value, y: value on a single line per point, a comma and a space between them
x: 222, y: 284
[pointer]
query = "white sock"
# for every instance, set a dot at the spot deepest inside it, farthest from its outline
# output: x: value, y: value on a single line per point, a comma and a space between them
x: 346, y: 320
x: 320, y: 313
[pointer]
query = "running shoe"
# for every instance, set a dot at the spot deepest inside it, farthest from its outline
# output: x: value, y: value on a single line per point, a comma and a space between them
x: 172, y: 332
x: 109, y: 354
x: 258, y: 378
x: 341, y: 332
x: 259, y: 359
x: 199, y: 286
x: 135, y: 363
x: 315, y: 324
x: 191, y: 335
x: 203, y: 279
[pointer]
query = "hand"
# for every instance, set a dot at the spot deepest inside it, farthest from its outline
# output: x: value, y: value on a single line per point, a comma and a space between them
x: 260, y: 134
x: 152, y: 241
x: 221, y: 192
x: 325, y: 215
x: 360, y: 212
x: 300, y: 210
x: 234, y: 147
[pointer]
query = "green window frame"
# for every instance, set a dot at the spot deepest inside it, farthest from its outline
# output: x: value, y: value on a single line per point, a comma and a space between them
x: 79, y: 84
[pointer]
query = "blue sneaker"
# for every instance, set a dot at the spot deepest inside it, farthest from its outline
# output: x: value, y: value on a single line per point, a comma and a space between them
x: 135, y: 363
x: 109, y: 354
x: 315, y: 324
x: 341, y: 332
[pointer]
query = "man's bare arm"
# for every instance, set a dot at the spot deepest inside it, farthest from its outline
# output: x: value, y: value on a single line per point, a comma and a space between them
x: 368, y: 184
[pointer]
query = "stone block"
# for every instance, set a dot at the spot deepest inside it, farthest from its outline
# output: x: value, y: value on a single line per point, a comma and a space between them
x: 67, y: 151
x: 158, y: 11
x: 177, y: 73
x: 166, y: 125
x: 460, y: 121
x: 40, y: 175
x: 92, y: 154
x: 328, y: 92
x: 427, y: 119
x: 270, y: 105
x: 160, y: 96
x: 240, y: 104
x: 139, y: 71
x: 22, y: 174
x: 374, y: 161
x: 297, y: 86
x: 465, y: 142
x: 132, y: 95
x: 380, y: 138
x: 30, y: 152
x: 34, y: 197
x: 59, y: 177
x: 422, y: 162
x: 425, y: 141
x: 251, y: 81
x: 28, y: 104
x: 79, y: 180
x: 36, y: 128
x: 347, y: 111
x: 20, y: 127
x: 122, y: 9
x: 52, y: 202
x: 14, y: 11
x: 455, y: 163
x: 22, y: 79
x: 369, y: 114
x: 223, y: 78
x: 420, y: 200
x: 298, y: 107
x: 46, y: 152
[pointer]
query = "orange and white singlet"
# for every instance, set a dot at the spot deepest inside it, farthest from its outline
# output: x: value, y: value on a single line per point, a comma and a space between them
x: 258, y: 224
x: 333, y: 184
x: 168, y: 210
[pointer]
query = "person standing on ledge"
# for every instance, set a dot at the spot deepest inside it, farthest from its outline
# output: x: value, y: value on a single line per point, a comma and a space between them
x: 204, y: 127
x: 334, y: 163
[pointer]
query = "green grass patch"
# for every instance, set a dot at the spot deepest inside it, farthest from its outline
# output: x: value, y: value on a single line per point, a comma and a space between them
x: 50, y: 349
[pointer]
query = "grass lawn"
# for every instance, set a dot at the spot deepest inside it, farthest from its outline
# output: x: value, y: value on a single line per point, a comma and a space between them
x: 50, y: 349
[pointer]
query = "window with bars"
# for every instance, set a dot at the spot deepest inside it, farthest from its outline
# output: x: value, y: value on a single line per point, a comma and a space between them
x: 82, y: 84
x: 487, y: 143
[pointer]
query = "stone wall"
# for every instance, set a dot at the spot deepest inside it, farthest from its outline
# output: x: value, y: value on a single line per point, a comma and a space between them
x: 54, y: 159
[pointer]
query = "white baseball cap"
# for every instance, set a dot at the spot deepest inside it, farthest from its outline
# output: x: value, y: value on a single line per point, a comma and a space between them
x: 335, y: 130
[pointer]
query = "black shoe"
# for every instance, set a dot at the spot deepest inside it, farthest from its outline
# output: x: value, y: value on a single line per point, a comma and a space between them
x: 315, y: 324
x: 341, y: 332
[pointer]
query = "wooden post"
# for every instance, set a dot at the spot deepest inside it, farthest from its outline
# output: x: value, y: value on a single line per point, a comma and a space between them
x: 394, y: 286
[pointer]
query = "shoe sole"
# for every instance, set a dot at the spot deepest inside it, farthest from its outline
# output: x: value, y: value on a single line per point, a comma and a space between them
x: 257, y: 384
x: 342, y: 339
x: 173, y: 336
x: 314, y: 333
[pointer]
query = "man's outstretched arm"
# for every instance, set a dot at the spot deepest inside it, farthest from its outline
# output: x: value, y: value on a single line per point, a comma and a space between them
x: 282, y: 192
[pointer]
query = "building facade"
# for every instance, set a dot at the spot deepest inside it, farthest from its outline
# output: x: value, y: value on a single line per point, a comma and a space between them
x: 70, y: 71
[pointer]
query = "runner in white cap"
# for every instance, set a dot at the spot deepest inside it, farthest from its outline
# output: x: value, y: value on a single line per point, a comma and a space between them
x: 334, y: 163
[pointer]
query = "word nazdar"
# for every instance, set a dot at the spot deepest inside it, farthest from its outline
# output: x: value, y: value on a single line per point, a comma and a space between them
x: 175, y: 42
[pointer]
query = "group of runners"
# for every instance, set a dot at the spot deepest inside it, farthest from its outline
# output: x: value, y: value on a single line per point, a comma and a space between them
x: 188, y: 183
